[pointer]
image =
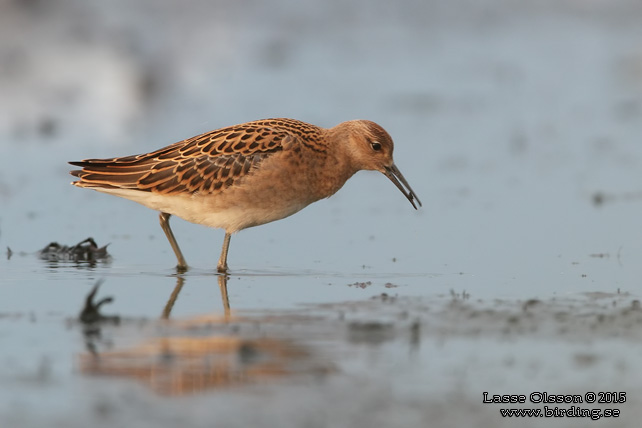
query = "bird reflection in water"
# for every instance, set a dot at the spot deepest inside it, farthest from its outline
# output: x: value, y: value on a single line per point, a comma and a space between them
x: 180, y: 281
x: 203, y: 353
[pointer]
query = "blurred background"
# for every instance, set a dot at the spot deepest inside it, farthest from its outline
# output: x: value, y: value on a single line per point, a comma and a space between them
x: 517, y: 123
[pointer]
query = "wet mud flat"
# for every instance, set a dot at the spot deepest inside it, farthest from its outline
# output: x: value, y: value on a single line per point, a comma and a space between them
x: 388, y: 361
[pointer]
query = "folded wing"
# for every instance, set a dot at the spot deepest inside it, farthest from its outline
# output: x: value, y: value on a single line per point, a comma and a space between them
x: 207, y: 163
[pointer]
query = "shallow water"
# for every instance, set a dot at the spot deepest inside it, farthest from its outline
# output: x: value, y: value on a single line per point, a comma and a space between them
x: 517, y: 125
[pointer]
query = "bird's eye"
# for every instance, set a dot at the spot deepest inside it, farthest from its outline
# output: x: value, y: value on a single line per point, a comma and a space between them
x: 375, y: 146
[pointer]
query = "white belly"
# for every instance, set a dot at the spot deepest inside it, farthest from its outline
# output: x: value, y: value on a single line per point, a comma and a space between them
x: 222, y: 210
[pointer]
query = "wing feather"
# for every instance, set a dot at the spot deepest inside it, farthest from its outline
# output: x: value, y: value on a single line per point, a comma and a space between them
x: 207, y: 163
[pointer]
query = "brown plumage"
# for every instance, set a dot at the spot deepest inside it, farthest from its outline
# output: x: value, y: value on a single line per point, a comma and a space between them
x: 245, y: 175
x: 207, y: 163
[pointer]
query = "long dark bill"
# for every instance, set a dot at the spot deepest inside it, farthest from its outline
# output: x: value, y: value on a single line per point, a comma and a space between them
x: 393, y: 173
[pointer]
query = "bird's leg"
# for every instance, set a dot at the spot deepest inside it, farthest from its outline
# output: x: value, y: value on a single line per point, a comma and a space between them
x: 222, y: 262
x: 164, y: 222
x: 222, y: 283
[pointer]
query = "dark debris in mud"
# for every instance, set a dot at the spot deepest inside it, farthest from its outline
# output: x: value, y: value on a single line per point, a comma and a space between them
x: 585, y: 317
x: 359, y: 284
x: 86, y: 250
